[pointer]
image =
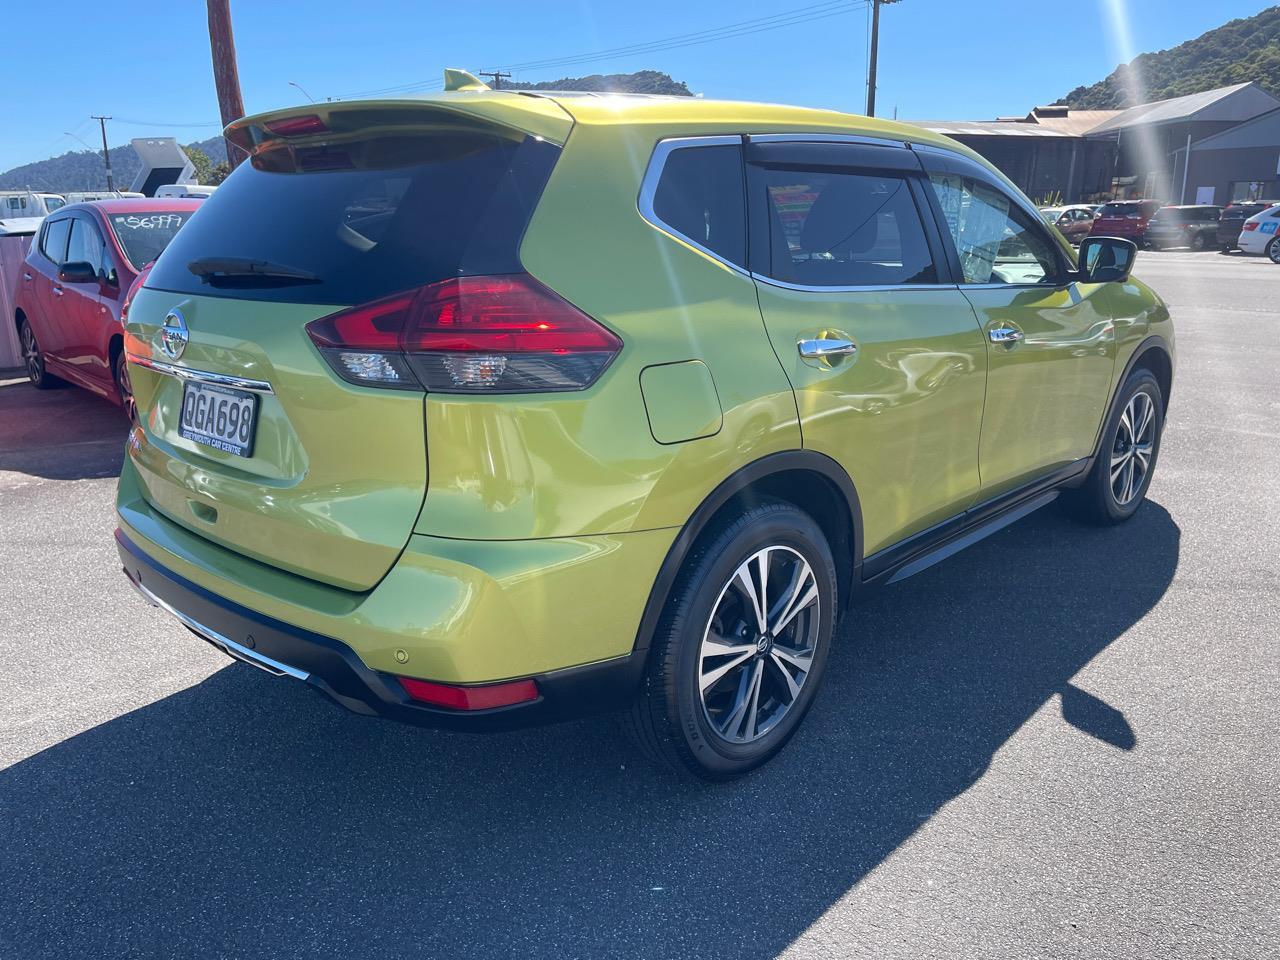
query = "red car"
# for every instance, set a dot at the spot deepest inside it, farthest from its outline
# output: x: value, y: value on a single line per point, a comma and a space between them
x: 74, y: 284
x: 1125, y: 218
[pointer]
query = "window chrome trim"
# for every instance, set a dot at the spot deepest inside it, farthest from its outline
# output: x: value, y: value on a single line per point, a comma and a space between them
x: 865, y: 288
x: 826, y: 138
x: 202, y: 376
x: 649, y: 189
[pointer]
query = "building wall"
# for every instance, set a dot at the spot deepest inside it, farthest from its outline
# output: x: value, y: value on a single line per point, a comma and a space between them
x: 1221, y: 168
x: 1049, y: 169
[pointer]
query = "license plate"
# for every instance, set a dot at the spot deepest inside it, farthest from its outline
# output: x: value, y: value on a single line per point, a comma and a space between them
x: 219, y: 417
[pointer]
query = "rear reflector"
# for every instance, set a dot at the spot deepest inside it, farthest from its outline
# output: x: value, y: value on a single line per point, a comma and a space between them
x: 503, y: 334
x: 482, y: 697
x: 1250, y: 226
x: 297, y: 126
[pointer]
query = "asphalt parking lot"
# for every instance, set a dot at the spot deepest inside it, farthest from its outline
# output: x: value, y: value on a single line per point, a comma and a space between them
x: 1063, y: 742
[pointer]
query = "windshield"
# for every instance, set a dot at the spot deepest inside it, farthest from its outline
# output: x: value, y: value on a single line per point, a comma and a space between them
x: 1121, y: 210
x: 1171, y: 215
x: 143, y: 235
x: 361, y: 219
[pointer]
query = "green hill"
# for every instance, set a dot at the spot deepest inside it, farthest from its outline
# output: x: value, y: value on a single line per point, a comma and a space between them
x: 82, y: 169
x: 1235, y: 52
x: 644, y: 81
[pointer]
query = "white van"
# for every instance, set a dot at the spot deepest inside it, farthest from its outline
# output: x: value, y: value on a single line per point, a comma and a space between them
x: 187, y: 191
x: 25, y: 203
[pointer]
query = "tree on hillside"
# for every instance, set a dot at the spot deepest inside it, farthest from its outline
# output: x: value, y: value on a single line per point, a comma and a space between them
x: 207, y: 172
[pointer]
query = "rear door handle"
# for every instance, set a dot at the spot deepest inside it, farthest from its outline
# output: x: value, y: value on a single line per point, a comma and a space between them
x: 25, y: 275
x: 57, y: 291
x: 824, y: 347
x: 1004, y: 334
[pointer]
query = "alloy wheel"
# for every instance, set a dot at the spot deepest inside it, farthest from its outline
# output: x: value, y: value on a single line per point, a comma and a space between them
x: 31, y: 354
x: 1273, y: 251
x: 125, y: 386
x: 1132, y: 449
x: 758, y: 646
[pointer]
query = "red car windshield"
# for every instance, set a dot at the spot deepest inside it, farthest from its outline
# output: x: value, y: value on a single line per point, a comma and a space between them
x: 143, y: 234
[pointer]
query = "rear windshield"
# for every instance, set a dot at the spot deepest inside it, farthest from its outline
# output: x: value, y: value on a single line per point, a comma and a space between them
x: 143, y: 235
x: 1121, y: 209
x: 353, y: 222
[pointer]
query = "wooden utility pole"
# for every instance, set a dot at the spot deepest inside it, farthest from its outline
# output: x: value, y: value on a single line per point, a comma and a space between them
x: 226, y: 77
x: 874, y: 55
x: 871, y: 60
x: 106, y: 155
x: 497, y: 75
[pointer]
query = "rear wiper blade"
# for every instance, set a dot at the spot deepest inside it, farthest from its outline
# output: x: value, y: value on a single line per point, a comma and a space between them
x: 213, y: 268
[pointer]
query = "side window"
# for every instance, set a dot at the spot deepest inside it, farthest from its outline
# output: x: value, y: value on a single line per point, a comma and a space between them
x: 700, y: 196
x: 995, y: 239
x: 842, y: 229
x: 86, y: 244
x: 53, y: 242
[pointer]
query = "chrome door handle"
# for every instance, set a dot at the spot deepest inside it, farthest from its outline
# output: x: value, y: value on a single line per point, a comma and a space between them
x: 1004, y: 334
x: 57, y: 291
x: 25, y: 275
x: 816, y: 349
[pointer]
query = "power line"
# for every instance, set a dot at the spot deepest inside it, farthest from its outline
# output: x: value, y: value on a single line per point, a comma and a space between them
x: 799, y: 15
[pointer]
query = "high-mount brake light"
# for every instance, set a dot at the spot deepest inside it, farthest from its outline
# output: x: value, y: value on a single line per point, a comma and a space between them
x: 498, y: 334
x: 297, y: 126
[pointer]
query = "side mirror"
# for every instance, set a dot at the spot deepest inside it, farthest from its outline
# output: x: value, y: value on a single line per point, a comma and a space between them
x: 1106, y: 259
x: 78, y: 271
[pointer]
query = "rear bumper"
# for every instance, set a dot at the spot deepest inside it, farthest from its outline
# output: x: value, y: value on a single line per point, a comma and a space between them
x: 332, y: 668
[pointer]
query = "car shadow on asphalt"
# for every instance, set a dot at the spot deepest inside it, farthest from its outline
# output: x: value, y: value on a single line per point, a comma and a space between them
x: 246, y: 816
x: 60, y: 434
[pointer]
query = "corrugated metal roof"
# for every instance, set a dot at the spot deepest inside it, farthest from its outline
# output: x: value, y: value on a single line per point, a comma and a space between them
x: 1077, y: 122
x: 1240, y: 102
x: 988, y: 128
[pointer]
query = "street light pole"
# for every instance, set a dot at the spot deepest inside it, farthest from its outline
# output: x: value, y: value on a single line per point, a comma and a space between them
x: 874, y: 55
x: 106, y: 156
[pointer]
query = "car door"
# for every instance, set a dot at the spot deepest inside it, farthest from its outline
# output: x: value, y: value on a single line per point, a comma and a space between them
x: 883, y: 351
x: 84, y: 313
x: 1050, y: 341
x: 42, y: 265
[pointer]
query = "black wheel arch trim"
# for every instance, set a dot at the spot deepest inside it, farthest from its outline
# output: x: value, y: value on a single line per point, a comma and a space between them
x: 773, y: 464
x: 1155, y: 342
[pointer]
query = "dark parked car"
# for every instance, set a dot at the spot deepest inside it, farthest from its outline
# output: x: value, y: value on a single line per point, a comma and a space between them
x: 1192, y: 225
x: 1125, y: 218
x: 74, y: 284
x: 1233, y: 218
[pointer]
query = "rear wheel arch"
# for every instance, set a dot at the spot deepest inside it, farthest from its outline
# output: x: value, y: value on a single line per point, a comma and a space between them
x: 114, y: 347
x: 810, y: 481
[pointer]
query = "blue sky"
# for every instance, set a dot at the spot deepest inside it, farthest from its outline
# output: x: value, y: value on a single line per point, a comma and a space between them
x: 939, y: 59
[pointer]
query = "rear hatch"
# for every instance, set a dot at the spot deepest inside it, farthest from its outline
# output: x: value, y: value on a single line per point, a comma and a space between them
x: 249, y: 436
x: 1120, y: 218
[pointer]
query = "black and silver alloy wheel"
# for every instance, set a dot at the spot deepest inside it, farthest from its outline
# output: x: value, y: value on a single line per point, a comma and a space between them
x: 738, y: 655
x: 1117, y: 483
x: 1132, y: 449
x: 758, y: 647
x: 1273, y: 250
x: 124, y: 386
x: 31, y: 358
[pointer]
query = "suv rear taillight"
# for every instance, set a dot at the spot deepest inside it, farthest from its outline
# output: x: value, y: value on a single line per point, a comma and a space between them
x: 1250, y: 225
x: 503, y: 334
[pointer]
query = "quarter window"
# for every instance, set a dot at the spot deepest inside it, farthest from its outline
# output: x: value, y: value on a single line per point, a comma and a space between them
x: 997, y: 242
x: 843, y: 229
x: 700, y: 196
x: 54, y: 243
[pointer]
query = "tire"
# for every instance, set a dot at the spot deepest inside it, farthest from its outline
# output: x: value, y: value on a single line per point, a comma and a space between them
x: 1118, y: 482
x: 1225, y: 247
x: 747, y: 712
x: 33, y: 358
x: 1273, y: 250
x: 124, y: 389
x: 1197, y: 242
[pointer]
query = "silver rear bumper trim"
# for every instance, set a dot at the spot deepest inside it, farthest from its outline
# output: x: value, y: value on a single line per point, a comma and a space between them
x: 228, y: 646
x: 201, y: 376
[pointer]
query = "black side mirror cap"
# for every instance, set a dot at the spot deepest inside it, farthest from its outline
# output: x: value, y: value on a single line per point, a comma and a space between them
x: 78, y: 271
x: 1106, y: 259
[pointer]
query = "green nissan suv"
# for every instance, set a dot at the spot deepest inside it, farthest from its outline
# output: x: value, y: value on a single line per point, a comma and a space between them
x: 493, y: 408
